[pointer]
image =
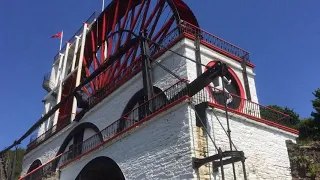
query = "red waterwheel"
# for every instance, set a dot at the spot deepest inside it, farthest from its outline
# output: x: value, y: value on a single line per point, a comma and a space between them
x: 105, y: 38
x: 157, y: 17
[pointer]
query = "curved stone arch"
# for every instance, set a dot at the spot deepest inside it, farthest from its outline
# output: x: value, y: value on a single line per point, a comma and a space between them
x: 76, y: 131
x: 135, y: 102
x: 101, y: 168
x: 35, y: 164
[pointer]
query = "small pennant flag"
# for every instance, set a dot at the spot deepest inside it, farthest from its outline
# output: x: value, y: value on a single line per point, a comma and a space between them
x: 58, y: 35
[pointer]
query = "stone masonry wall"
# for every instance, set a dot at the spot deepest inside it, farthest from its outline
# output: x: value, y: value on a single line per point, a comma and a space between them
x: 304, y: 160
x: 108, y: 111
x: 160, y: 149
x: 264, y: 146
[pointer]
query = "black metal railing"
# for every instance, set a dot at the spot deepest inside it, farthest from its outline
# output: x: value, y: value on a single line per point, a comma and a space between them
x: 134, y: 68
x: 47, y: 84
x: 244, y: 107
x: 209, y: 38
x: 120, y: 79
x: 36, y: 140
x: 148, y: 109
x: 128, y: 121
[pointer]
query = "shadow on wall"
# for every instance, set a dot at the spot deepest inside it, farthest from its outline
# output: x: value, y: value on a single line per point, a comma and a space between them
x: 101, y: 168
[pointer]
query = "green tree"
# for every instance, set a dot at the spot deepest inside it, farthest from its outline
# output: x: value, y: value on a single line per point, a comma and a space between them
x: 309, y: 128
x: 6, y: 165
x: 316, y: 106
x: 269, y: 114
x: 306, y: 129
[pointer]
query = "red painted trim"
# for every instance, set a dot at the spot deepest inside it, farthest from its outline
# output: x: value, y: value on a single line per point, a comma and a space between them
x: 242, y: 93
x: 270, y: 123
x: 221, y: 51
x: 128, y: 129
x: 158, y: 54
x: 197, y: 27
x: 121, y: 82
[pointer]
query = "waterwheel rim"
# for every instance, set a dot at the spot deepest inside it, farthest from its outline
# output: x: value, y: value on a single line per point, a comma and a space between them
x: 106, y: 36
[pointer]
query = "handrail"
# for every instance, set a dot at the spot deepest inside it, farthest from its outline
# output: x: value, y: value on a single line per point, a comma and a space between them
x: 134, y: 117
x: 127, y: 120
x: 185, y: 22
x: 170, y: 38
x: 124, y: 123
x: 34, y: 142
x: 215, y: 40
x: 244, y: 107
x: 245, y: 99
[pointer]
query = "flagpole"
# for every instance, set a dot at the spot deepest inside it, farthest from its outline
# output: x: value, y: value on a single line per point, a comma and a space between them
x: 61, y: 40
x: 102, y: 5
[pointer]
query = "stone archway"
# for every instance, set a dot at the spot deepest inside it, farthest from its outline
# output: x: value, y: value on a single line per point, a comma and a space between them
x: 135, y: 103
x: 101, y: 168
x: 76, y: 137
x: 34, y: 165
x: 37, y: 163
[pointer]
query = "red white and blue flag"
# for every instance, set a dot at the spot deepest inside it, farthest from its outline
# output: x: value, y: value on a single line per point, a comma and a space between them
x: 58, y: 35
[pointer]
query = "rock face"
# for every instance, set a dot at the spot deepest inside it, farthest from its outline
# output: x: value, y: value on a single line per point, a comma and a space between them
x: 4, y: 168
x: 304, y: 160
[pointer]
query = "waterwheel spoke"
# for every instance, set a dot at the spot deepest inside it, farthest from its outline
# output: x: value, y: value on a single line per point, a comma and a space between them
x: 88, y: 73
x: 134, y: 20
x: 146, y: 25
x: 165, y: 31
x: 94, y: 57
x: 156, y: 20
x: 106, y: 37
x: 85, y: 89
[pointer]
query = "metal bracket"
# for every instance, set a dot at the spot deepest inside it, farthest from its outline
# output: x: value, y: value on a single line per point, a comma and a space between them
x: 146, y: 68
x: 198, y: 54
x: 217, y: 159
x: 245, y: 76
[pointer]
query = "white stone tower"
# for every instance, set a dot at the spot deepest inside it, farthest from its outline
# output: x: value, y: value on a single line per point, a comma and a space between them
x: 142, y: 92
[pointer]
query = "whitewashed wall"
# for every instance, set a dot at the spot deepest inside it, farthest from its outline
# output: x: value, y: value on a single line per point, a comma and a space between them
x: 263, y: 146
x: 166, y: 144
x: 110, y: 109
x: 160, y: 149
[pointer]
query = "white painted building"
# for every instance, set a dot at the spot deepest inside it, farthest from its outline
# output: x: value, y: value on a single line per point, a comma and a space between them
x: 119, y: 137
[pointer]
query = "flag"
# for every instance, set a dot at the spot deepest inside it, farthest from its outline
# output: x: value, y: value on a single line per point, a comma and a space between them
x: 58, y: 35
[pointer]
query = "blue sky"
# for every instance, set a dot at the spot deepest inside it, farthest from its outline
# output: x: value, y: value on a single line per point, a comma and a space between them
x: 282, y: 37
